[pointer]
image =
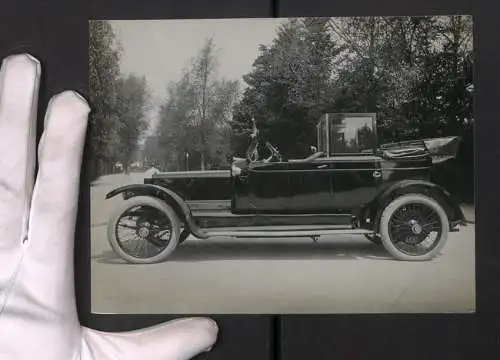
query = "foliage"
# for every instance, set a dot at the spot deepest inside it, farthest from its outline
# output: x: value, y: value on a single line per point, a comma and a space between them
x: 132, y: 100
x: 119, y: 103
x: 104, y: 71
x: 289, y: 87
x: 415, y: 73
x: 172, y: 131
x: 194, y: 119
x: 410, y: 74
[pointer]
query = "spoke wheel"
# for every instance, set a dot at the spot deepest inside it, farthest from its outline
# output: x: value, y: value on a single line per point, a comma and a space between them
x: 414, y: 227
x: 143, y: 235
x: 144, y: 230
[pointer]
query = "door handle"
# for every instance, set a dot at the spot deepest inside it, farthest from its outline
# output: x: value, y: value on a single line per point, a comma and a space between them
x: 322, y: 166
x: 377, y: 174
x: 243, y: 177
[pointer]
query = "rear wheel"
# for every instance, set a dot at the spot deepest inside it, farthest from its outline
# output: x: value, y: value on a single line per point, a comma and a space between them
x: 144, y: 230
x: 414, y: 227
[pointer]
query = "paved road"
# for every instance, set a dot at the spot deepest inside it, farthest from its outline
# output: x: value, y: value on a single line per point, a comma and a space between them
x: 344, y: 274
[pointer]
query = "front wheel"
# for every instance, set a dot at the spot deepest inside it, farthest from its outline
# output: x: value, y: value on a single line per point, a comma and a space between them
x: 414, y: 227
x: 144, y: 230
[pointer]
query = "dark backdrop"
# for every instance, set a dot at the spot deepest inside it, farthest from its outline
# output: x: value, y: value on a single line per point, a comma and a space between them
x: 56, y: 32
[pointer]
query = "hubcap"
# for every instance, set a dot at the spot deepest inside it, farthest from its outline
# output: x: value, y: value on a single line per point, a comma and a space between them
x: 416, y: 228
x: 143, y: 232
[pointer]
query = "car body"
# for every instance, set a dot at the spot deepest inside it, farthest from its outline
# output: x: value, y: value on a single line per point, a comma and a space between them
x: 349, y: 184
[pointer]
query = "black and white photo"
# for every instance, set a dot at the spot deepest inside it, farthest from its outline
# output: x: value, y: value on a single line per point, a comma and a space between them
x: 289, y: 165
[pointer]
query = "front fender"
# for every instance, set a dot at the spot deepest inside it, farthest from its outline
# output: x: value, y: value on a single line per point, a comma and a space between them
x: 437, y: 192
x: 167, y: 195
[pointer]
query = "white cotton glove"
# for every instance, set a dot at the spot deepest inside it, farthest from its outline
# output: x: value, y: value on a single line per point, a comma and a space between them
x: 38, y: 318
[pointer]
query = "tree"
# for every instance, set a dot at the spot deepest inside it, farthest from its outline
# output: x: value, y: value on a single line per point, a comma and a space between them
x: 172, y: 130
x: 132, y: 100
x: 104, y: 57
x: 381, y: 66
x: 415, y: 73
x: 456, y: 61
x: 226, y: 95
x: 194, y: 120
x: 289, y: 87
x: 212, y: 99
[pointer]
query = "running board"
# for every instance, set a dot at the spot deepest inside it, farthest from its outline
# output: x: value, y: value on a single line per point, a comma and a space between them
x: 285, y: 233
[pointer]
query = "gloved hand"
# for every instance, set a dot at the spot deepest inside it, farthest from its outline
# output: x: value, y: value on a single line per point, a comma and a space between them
x: 38, y: 318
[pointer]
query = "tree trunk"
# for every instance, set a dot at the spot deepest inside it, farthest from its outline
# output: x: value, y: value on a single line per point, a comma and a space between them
x: 202, y: 159
x: 126, y: 164
x: 456, y: 35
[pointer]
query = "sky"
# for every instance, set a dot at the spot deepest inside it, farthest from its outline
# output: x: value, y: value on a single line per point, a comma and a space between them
x: 161, y: 49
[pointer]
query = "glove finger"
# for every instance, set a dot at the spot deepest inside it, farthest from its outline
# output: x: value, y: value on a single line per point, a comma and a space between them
x: 19, y: 84
x: 178, y: 339
x: 55, y: 200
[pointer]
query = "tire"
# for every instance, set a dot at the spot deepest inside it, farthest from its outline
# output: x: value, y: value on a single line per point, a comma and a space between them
x: 438, y: 214
x: 150, y: 202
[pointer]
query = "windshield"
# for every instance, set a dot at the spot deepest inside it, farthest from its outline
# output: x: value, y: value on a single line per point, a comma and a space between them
x: 346, y: 134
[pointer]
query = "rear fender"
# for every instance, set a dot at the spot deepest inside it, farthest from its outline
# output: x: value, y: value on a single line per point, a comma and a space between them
x: 167, y: 195
x: 434, y: 191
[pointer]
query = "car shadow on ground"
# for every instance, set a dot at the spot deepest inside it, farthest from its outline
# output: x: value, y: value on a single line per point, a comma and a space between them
x: 198, y: 251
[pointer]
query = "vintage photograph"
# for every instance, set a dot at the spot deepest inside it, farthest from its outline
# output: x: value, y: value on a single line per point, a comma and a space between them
x: 282, y: 165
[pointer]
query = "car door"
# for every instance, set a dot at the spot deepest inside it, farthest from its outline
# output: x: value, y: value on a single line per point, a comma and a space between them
x: 355, y: 181
x: 310, y: 185
x: 261, y: 188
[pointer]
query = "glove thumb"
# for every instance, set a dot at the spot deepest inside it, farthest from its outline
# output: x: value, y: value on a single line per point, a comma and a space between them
x: 174, y: 340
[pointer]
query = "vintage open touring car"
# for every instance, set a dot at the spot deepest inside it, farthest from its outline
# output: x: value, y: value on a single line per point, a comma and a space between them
x: 349, y: 184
